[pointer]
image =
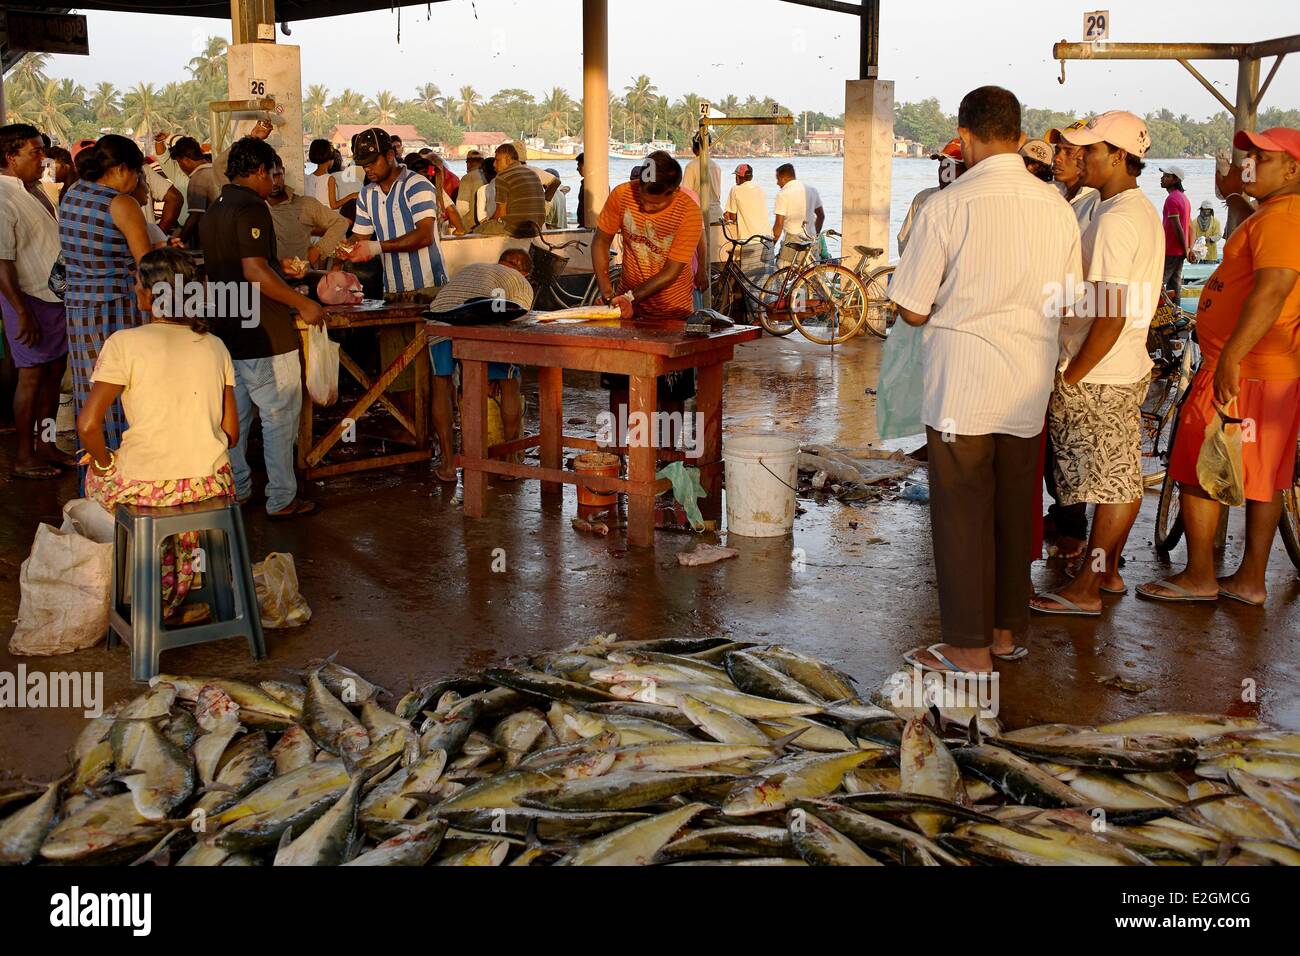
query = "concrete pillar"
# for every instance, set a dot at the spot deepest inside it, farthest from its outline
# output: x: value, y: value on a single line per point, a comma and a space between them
x: 277, y: 70
x: 595, y: 106
x: 868, y: 163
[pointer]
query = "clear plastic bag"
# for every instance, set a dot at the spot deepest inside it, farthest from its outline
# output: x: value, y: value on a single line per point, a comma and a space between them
x: 278, y: 598
x: 1218, y: 466
x: 901, y: 385
x: 322, y: 366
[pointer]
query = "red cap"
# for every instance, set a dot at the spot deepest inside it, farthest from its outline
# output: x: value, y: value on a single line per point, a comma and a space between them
x: 79, y: 145
x: 1279, y: 139
x: 952, y: 150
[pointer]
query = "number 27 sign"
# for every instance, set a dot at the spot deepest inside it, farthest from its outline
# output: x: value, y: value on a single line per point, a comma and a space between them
x: 1096, y: 25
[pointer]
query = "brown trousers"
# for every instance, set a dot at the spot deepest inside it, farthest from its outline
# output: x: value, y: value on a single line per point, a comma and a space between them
x: 981, y: 525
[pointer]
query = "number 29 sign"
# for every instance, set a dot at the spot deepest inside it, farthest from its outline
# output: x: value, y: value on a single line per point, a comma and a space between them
x: 1096, y: 25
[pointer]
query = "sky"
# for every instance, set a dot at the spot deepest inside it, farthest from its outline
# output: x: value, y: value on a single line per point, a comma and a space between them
x: 798, y: 55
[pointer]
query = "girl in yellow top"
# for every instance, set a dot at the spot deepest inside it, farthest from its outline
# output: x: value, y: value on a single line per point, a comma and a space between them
x: 176, y: 382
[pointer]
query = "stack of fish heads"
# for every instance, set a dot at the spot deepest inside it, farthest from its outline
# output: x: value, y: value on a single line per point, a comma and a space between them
x: 676, y: 752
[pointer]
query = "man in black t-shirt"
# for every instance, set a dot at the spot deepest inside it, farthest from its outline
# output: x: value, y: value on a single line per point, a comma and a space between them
x: 253, y: 311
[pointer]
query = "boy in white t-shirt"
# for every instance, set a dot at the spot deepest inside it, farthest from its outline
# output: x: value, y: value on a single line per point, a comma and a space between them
x: 747, y: 212
x: 1095, y: 411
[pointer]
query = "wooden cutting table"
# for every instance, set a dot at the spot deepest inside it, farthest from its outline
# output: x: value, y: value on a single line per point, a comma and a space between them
x: 377, y: 316
x: 640, y: 350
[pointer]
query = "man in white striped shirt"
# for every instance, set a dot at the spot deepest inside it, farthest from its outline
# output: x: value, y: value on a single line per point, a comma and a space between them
x: 989, y: 266
x: 397, y: 220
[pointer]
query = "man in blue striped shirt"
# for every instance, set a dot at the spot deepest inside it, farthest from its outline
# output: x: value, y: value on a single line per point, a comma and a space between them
x: 397, y: 220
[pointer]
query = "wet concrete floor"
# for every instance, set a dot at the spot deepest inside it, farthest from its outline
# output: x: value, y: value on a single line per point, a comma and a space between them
x: 402, y: 585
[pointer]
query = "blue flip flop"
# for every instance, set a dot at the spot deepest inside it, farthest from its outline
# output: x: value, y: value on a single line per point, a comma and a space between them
x: 948, y: 666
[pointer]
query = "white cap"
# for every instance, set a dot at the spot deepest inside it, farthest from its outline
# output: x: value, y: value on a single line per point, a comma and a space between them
x: 1117, y: 127
x: 1208, y: 205
x: 1037, y: 150
x: 1175, y: 171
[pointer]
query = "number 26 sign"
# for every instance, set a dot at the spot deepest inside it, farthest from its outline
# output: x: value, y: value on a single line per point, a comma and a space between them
x: 1096, y: 25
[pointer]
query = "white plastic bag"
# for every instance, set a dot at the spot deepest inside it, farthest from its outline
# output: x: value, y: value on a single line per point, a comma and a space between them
x: 1218, y: 465
x: 901, y: 384
x: 276, y: 581
x: 1200, y: 249
x: 64, y: 583
x: 322, y: 366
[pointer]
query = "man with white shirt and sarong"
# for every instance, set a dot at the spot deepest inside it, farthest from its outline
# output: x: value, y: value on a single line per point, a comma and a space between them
x: 990, y: 315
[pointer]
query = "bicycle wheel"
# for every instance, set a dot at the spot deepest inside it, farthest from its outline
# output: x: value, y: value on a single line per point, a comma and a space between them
x: 880, y: 312
x: 774, y: 310
x: 828, y: 304
x: 1157, y: 422
x: 1169, y: 517
x: 1290, y: 523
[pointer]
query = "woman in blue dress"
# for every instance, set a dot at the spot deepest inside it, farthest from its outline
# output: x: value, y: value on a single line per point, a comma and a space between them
x: 103, y: 236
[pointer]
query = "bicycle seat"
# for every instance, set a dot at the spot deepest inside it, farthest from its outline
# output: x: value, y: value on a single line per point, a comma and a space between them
x: 797, y: 244
x: 871, y: 252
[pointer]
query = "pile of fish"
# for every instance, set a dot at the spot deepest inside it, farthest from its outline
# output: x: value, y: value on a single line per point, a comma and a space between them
x: 691, y: 751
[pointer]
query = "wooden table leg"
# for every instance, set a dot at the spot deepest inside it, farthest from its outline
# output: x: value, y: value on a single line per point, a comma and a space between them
x: 550, y: 411
x: 642, y: 398
x: 423, y: 373
x: 473, y: 431
x: 708, y: 405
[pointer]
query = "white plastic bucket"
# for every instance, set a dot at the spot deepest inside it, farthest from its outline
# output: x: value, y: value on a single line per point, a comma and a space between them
x: 761, y: 476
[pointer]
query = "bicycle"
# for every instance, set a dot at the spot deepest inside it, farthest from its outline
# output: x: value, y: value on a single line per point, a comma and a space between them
x: 825, y: 301
x: 548, y: 268
x: 1175, y: 356
x: 881, y: 313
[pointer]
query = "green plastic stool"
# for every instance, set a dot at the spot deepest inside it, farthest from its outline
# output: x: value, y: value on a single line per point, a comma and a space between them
x: 138, y: 537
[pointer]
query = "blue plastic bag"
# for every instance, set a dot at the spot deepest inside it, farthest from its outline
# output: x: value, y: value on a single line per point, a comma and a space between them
x: 901, y: 385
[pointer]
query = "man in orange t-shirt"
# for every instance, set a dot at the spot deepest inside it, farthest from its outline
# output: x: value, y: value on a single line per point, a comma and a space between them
x: 1248, y: 326
x: 661, y: 228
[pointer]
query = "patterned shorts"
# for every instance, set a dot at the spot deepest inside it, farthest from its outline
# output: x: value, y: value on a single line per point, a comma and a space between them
x: 1097, y: 433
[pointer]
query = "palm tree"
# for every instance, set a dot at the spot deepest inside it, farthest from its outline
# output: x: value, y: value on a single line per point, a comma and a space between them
x: 557, y: 112
x: 385, y: 107
x: 209, y: 66
x: 143, y: 111
x: 729, y: 104
x: 687, y: 113
x: 105, y: 103
x: 428, y: 96
x: 48, y: 106
x: 315, y: 109
x: 469, y: 104
x: 638, y: 95
x: 30, y: 71
x: 658, y: 114
x: 617, y: 114
x: 349, y: 106
x: 185, y: 106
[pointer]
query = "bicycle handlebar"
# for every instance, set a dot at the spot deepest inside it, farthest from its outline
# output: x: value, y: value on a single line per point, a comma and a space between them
x: 740, y: 242
x: 563, y: 245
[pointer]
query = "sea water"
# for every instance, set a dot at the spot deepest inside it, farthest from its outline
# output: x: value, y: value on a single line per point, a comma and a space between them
x: 910, y: 176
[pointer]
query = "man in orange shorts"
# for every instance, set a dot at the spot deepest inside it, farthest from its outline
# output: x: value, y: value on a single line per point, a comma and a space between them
x: 1248, y: 325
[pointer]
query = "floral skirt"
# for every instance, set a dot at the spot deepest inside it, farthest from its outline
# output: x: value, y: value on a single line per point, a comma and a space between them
x: 178, y: 550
